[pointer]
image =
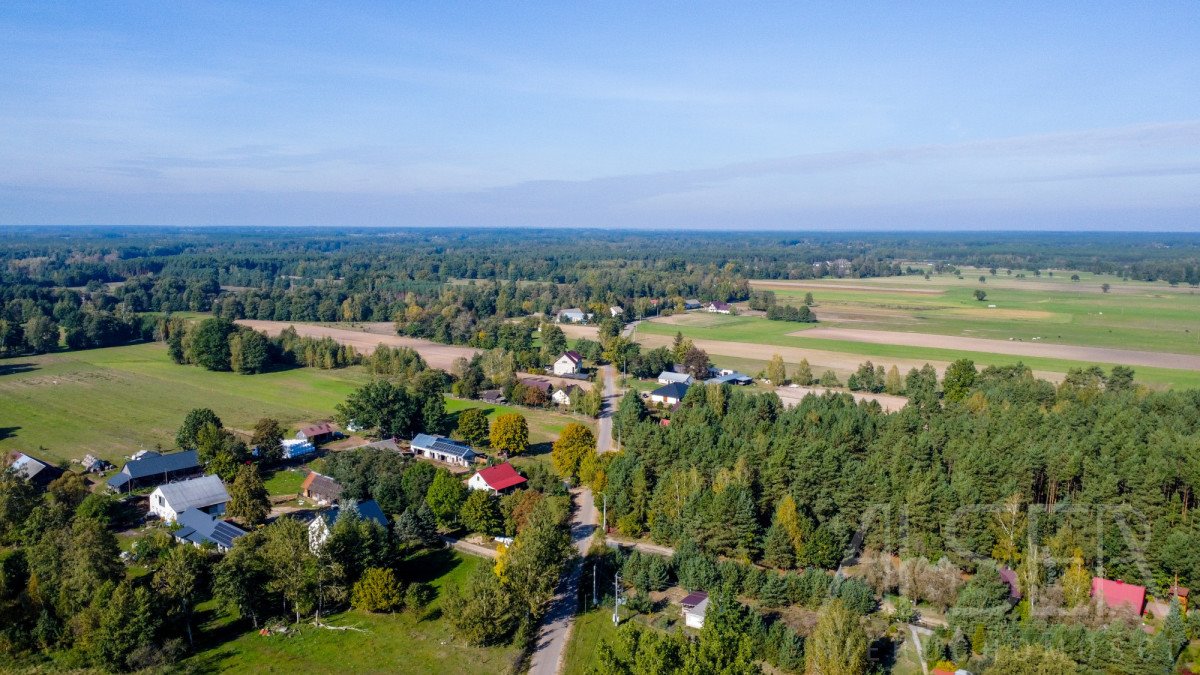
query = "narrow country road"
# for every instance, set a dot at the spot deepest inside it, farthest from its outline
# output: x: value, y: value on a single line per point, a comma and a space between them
x: 608, y: 408
x: 551, y: 642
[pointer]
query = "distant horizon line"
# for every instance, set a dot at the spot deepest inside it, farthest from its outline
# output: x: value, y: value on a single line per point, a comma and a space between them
x: 573, y: 228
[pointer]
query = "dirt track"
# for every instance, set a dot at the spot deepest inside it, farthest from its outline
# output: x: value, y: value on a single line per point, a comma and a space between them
x: 792, y: 396
x: 366, y: 338
x: 1127, y: 357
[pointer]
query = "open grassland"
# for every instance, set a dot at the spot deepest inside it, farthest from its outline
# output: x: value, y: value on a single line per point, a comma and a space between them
x: 1132, y: 315
x: 405, y: 642
x: 589, y: 630
x: 545, y: 426
x: 112, y: 402
x: 755, y: 338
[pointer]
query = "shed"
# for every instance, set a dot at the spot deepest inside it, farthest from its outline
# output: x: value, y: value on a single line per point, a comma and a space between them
x: 150, y: 468
x: 321, y: 488
x: 34, y: 470
x: 695, y: 606
x: 317, y: 433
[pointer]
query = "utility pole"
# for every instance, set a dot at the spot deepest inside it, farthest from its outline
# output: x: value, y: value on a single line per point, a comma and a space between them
x: 616, y: 598
x: 604, y: 525
x: 595, y: 598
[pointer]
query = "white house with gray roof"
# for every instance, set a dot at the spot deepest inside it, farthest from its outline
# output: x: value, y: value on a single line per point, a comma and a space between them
x: 206, y: 493
x: 442, y: 449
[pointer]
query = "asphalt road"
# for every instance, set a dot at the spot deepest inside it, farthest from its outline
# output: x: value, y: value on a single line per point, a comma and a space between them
x: 551, y: 643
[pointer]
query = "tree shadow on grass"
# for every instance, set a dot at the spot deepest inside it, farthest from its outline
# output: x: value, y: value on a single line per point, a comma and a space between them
x: 16, y: 368
x: 429, y: 565
x: 536, y: 449
x: 8, y: 432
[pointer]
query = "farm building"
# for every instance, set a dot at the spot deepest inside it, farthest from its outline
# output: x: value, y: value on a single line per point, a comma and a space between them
x: 317, y: 433
x: 734, y: 378
x: 33, y: 470
x: 573, y: 315
x: 695, y: 606
x: 692, y: 304
x: 199, y: 528
x: 538, y: 383
x: 499, y: 479
x: 568, y: 364
x: 321, y: 488
x: 566, y: 395
x: 322, y: 525
x: 206, y: 493
x: 669, y: 377
x: 669, y: 394
x: 442, y: 449
x: 152, y: 468
x: 493, y: 396
x: 1117, y: 593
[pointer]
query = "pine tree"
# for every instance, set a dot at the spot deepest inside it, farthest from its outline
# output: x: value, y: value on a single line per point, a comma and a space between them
x: 377, y: 591
x: 779, y: 552
x: 248, y: 497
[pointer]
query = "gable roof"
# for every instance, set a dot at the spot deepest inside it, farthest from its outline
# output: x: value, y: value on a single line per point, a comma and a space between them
x: 196, y: 493
x: 731, y: 378
x: 694, y: 598
x: 537, y: 383
x: 501, y: 476
x: 443, y: 445
x: 575, y: 356
x: 719, y: 304
x: 670, y: 376
x: 491, y: 396
x: 322, y: 485
x: 199, y: 527
x: 33, y: 469
x: 1117, y: 592
x: 674, y: 390
x: 152, y: 463
x: 317, y: 430
x: 367, y: 510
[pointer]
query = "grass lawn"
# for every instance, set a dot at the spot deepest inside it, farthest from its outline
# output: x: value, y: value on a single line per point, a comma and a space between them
x: 392, y: 643
x: 285, y: 481
x: 112, y: 402
x: 590, y: 628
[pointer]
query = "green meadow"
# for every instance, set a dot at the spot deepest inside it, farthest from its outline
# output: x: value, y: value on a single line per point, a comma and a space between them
x: 113, y: 402
x: 761, y: 331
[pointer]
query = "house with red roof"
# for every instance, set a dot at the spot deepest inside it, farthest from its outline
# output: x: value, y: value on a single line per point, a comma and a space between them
x: 1116, y: 593
x: 317, y: 433
x: 499, y: 479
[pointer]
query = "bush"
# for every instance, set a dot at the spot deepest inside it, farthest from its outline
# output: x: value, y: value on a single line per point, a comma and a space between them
x: 377, y: 591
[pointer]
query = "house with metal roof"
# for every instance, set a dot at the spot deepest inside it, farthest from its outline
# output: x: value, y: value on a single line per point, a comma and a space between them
x: 670, y: 394
x: 1116, y: 593
x: 322, y: 525
x: 33, y: 469
x: 498, y: 479
x: 442, y: 449
x: 669, y: 377
x: 734, y: 378
x: 206, y: 493
x: 199, y: 528
x: 569, y: 363
x: 153, y: 468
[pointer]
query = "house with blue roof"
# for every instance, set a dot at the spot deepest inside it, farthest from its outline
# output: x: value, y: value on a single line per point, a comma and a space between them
x: 152, y: 468
x: 322, y: 525
x: 199, y: 528
x: 442, y: 449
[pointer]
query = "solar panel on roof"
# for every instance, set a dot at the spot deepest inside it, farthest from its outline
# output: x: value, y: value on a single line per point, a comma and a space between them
x: 450, y: 447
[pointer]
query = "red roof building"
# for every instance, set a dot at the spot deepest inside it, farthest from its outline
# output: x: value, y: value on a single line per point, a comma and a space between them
x: 499, y: 478
x: 1114, y: 593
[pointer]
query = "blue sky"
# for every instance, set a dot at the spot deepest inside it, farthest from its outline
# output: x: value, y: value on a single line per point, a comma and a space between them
x: 684, y: 115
